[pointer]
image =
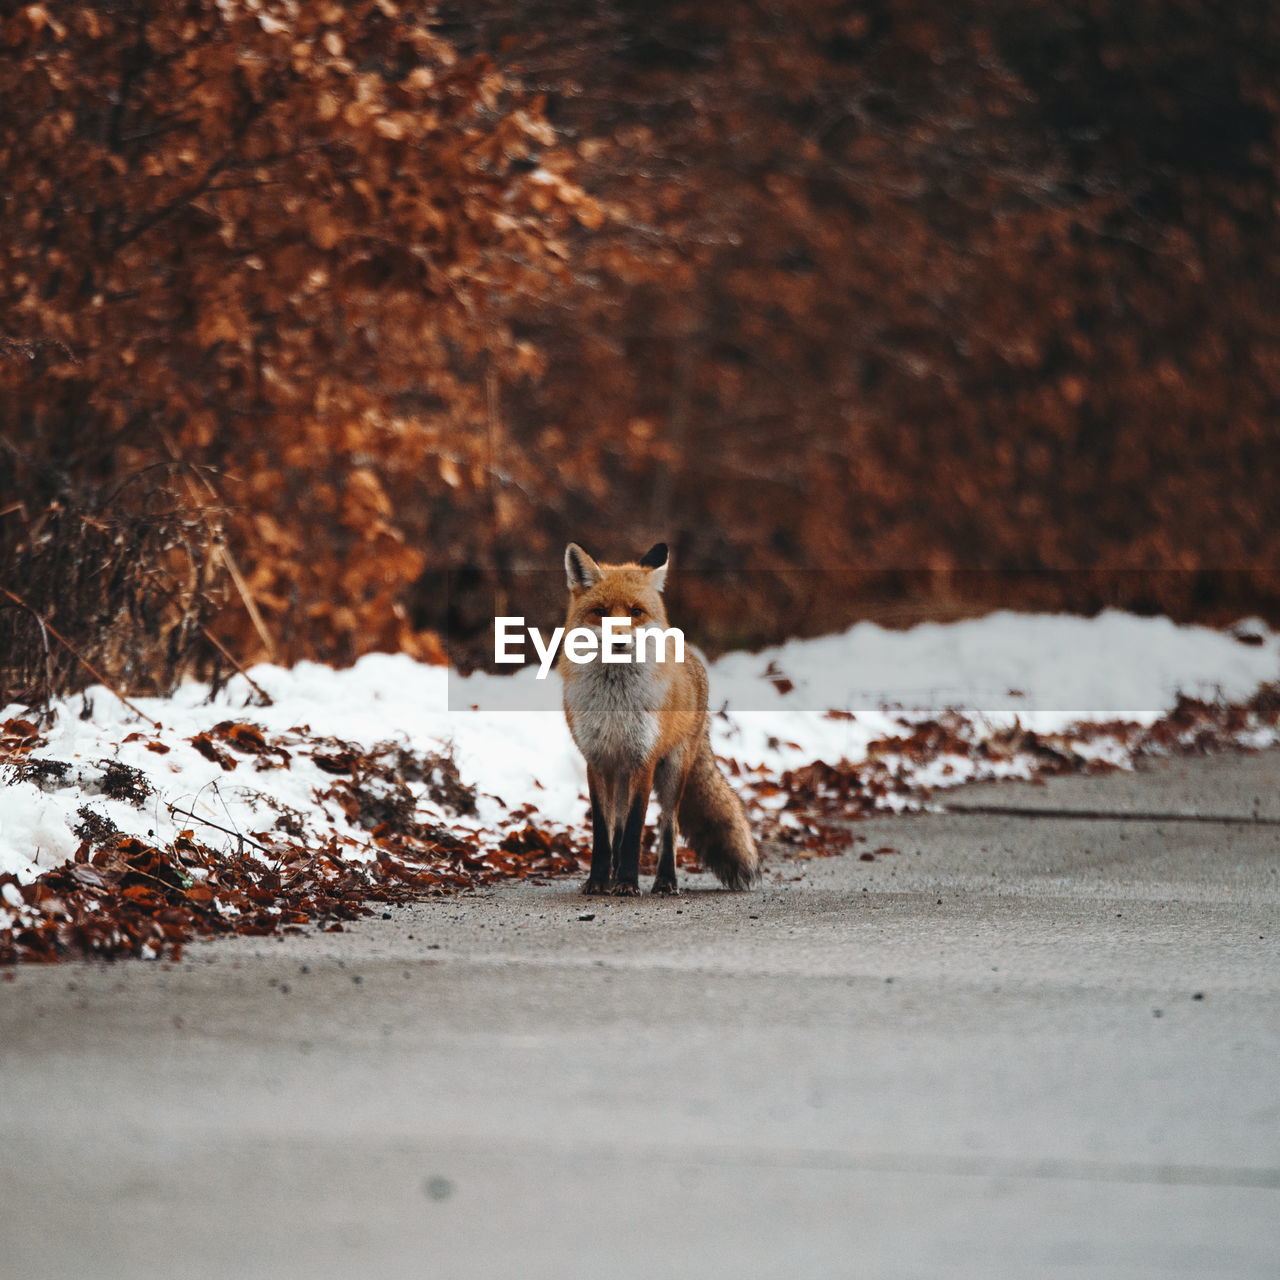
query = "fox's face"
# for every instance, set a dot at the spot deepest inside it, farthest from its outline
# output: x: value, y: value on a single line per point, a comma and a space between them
x: 631, y: 591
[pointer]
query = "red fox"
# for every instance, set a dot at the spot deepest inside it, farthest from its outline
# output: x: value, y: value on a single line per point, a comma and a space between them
x: 643, y: 725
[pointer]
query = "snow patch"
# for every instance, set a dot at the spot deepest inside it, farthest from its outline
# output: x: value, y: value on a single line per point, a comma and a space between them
x: 1042, y: 672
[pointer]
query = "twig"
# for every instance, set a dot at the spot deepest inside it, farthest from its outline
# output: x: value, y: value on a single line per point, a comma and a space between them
x: 217, y: 826
x: 267, y: 700
x: 29, y: 347
x: 78, y: 656
x: 251, y: 607
x: 220, y: 548
x: 217, y: 791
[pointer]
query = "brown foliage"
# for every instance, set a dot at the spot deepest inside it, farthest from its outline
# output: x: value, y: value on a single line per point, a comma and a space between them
x: 121, y: 895
x: 272, y: 240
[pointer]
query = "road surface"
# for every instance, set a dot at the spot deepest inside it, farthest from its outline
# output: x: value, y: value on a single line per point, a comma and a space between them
x: 1018, y: 1046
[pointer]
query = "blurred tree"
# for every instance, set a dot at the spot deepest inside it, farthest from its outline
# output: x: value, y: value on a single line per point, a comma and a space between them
x: 951, y: 305
x: 944, y: 306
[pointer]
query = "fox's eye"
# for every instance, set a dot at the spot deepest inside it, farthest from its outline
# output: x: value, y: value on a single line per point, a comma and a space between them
x: 637, y: 611
x: 595, y: 611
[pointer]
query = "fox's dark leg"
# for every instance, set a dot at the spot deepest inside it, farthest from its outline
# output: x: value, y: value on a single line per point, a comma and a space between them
x: 626, y: 875
x: 601, y: 845
x: 620, y: 798
x: 665, y: 881
x: 668, y: 782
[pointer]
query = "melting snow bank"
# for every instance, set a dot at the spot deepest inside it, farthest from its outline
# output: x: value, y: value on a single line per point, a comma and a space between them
x: 901, y: 712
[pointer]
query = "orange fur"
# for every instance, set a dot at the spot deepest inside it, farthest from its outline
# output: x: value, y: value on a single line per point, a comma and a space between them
x: 643, y: 727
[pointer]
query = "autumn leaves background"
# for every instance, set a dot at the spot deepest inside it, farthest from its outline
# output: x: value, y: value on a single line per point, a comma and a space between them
x: 303, y: 306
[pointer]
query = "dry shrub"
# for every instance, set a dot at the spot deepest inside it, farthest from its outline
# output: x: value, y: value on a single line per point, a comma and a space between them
x: 124, y: 582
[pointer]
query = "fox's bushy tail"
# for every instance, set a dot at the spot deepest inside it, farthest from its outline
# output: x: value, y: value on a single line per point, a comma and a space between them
x: 714, y: 824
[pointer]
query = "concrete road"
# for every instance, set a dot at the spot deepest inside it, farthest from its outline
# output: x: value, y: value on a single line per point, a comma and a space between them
x: 1015, y: 1047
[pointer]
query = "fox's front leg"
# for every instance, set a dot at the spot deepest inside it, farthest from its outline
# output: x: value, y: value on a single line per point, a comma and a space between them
x: 601, y: 844
x: 626, y: 875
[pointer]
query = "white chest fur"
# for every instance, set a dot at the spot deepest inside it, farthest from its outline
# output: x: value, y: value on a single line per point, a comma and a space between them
x: 613, y: 712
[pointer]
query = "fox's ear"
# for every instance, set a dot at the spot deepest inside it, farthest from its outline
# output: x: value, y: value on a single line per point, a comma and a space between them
x: 657, y: 561
x: 581, y: 570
